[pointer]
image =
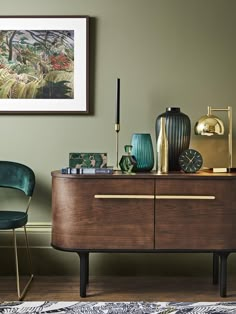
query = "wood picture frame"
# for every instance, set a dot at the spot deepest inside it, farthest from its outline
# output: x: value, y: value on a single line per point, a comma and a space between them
x: 44, y: 63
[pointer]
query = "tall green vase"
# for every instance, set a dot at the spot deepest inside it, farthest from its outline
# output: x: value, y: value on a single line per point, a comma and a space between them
x: 142, y: 149
x: 178, y: 131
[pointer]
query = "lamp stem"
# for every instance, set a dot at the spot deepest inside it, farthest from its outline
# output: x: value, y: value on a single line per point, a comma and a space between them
x: 230, y: 138
x: 230, y: 132
x: 209, y: 110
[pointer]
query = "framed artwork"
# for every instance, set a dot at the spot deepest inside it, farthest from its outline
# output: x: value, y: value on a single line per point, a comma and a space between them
x: 44, y: 64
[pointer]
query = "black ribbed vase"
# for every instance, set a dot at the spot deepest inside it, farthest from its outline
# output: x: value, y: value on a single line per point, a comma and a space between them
x: 178, y: 131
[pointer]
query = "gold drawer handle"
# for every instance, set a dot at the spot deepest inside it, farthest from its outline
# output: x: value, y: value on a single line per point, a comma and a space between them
x: 124, y: 196
x: 185, y: 197
x: 151, y: 197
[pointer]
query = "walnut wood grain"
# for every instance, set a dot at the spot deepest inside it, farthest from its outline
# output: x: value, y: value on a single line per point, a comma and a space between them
x: 81, y: 221
x: 196, y: 224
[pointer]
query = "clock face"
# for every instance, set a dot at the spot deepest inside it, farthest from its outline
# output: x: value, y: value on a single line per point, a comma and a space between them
x: 190, y: 160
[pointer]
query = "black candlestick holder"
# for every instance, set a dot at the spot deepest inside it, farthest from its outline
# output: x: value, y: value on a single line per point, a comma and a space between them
x: 117, y: 129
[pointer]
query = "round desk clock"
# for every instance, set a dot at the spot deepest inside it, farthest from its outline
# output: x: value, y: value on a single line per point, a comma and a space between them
x: 190, y: 160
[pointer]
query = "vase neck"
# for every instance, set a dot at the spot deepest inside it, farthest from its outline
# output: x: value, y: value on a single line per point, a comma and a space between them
x: 163, y: 124
x: 173, y: 109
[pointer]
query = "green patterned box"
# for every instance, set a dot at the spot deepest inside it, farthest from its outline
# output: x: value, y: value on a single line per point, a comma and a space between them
x: 88, y: 160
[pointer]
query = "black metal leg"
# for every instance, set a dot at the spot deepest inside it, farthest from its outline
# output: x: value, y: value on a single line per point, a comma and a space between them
x: 87, y: 270
x: 215, y: 268
x: 83, y: 273
x: 223, y: 274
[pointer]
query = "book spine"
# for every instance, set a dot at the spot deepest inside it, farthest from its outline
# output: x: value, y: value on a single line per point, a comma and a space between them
x: 69, y: 170
x: 96, y: 171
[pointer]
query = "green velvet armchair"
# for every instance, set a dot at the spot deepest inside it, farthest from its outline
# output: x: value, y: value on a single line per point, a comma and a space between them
x: 14, y: 175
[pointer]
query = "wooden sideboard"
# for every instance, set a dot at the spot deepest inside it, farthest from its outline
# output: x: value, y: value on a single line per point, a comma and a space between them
x: 146, y: 212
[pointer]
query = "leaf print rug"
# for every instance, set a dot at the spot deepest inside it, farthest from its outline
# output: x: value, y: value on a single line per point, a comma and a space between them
x: 118, y: 307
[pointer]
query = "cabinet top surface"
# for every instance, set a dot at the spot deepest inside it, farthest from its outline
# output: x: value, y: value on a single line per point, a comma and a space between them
x: 208, y: 174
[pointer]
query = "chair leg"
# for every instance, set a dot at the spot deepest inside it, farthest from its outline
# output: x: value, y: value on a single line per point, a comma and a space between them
x: 28, y: 253
x: 19, y: 293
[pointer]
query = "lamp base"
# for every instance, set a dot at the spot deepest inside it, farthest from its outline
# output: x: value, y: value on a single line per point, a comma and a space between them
x: 223, y: 170
x: 220, y: 170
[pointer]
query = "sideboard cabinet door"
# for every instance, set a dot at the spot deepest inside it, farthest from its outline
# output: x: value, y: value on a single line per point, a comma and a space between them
x: 110, y: 213
x: 195, y: 214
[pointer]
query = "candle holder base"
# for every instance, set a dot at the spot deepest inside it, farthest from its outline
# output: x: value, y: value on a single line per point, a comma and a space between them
x: 117, y: 129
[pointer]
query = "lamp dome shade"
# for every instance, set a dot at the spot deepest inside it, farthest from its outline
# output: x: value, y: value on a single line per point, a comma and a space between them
x: 209, y: 125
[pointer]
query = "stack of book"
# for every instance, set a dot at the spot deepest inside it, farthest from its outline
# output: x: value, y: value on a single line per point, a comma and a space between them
x: 87, y: 163
x: 69, y: 170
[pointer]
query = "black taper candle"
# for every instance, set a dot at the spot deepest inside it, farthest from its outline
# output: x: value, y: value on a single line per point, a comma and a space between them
x: 117, y: 101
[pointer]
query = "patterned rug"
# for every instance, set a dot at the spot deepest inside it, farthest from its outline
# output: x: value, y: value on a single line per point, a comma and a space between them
x: 118, y: 307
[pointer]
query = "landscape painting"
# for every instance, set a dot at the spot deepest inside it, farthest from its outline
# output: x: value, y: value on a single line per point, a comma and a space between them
x: 37, y: 64
x: 44, y: 69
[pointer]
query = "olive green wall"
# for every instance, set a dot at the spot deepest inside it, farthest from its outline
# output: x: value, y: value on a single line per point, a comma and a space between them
x: 166, y: 53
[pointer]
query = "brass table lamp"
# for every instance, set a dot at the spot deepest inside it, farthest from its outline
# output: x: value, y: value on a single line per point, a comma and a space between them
x: 211, y: 124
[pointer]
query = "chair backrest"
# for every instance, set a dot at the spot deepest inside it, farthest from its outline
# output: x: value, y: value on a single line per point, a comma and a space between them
x: 17, y: 176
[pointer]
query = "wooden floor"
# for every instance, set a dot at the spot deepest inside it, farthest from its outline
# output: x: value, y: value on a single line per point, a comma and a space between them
x: 120, y: 289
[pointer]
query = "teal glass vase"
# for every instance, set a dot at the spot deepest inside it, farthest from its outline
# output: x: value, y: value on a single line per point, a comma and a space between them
x: 142, y: 149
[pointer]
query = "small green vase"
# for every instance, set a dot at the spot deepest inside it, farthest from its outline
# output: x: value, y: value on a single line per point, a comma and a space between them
x: 143, y: 151
x: 127, y: 161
